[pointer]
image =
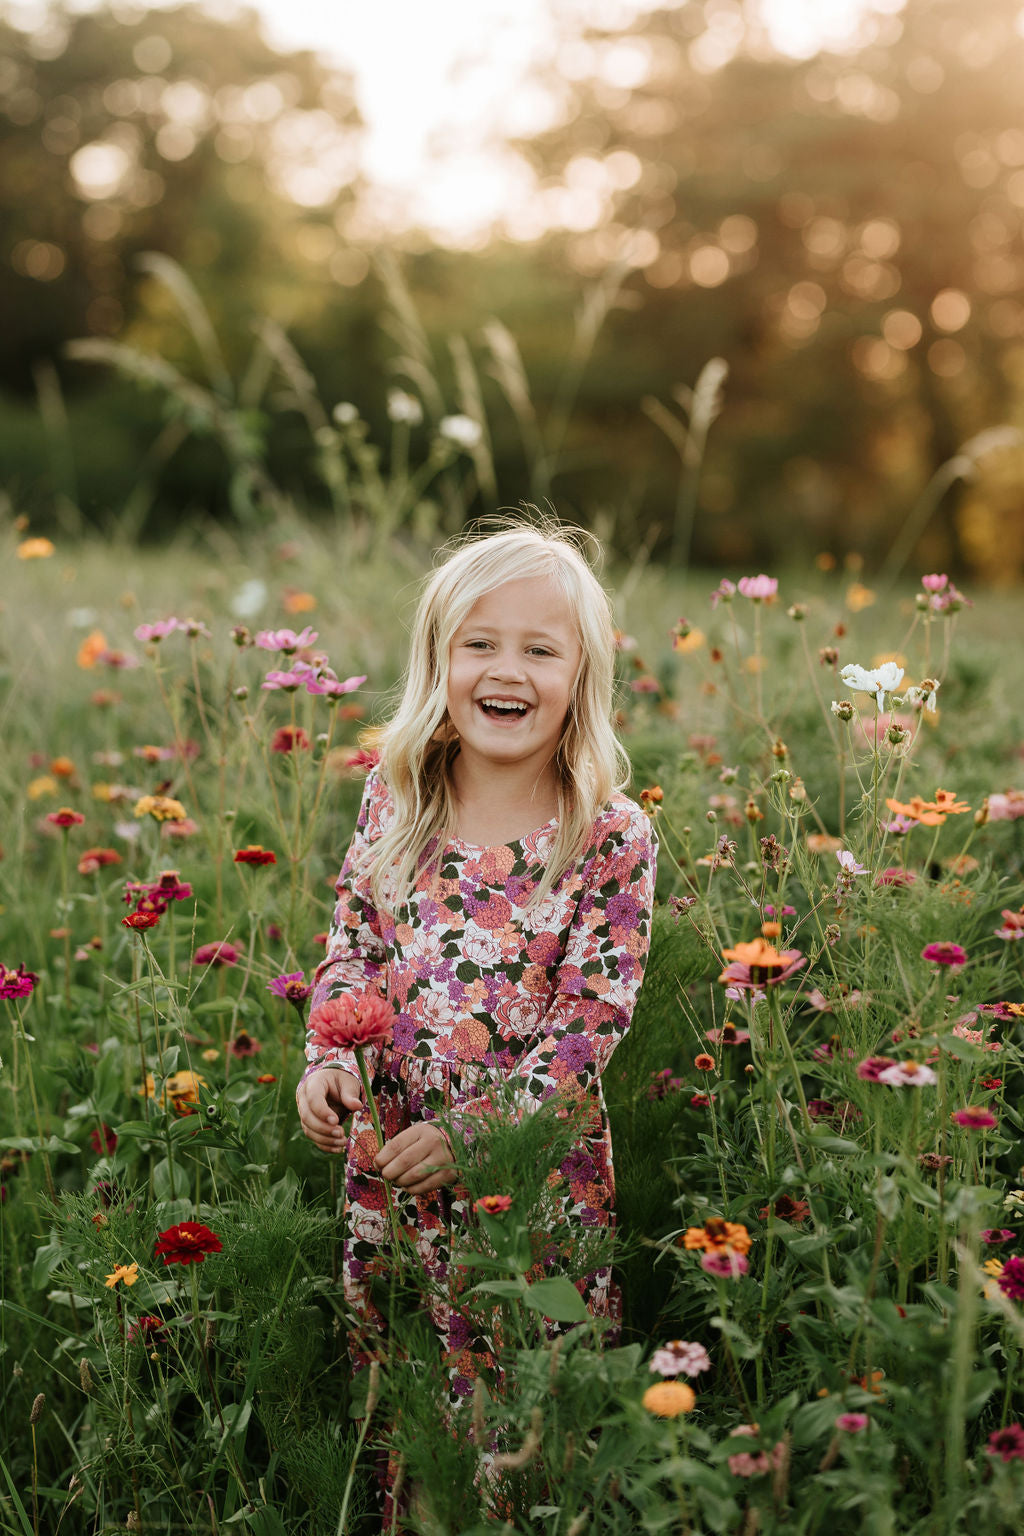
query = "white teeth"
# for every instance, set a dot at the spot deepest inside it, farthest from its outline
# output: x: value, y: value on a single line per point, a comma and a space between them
x: 506, y: 705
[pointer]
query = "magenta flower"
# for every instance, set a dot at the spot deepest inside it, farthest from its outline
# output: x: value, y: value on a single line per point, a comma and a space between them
x: 725, y: 1263
x: 152, y: 634
x: 1002, y: 1011
x: 995, y: 1237
x: 871, y: 1067
x: 1008, y: 1443
x: 285, y: 640
x: 327, y: 683
x: 292, y: 987
x: 853, y: 1423
x: 724, y: 592
x: 759, y: 589
x: 769, y: 911
x: 217, y: 954
x: 944, y: 953
x: 975, y: 1117
x: 19, y: 983
x: 680, y: 1358
x: 1011, y: 1281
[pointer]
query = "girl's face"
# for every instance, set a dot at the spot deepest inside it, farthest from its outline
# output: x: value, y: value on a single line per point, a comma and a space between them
x: 511, y: 669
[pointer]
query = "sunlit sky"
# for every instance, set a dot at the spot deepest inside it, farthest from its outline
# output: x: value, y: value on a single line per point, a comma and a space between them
x: 441, y: 83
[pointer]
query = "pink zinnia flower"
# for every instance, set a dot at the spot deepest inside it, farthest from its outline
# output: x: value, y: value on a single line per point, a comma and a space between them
x: 355, y: 1020
x: 853, y: 1423
x: 1008, y: 1443
x: 974, y: 1118
x: 217, y: 954
x: 725, y: 1263
x: 896, y: 876
x: 493, y: 1205
x: 942, y: 952
x: 1006, y: 807
x: 995, y: 1237
x: 680, y: 1358
x: 152, y: 634
x: 760, y: 589
x: 285, y: 640
x: 1011, y: 1281
x: 907, y: 1074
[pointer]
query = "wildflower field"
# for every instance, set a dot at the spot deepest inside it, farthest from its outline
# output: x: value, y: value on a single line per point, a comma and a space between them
x: 815, y: 1114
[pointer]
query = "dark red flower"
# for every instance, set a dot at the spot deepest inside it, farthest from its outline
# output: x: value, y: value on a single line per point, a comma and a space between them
x: 149, y: 1330
x: 95, y: 858
x: 140, y: 920
x: 1008, y: 1443
x: 187, y: 1243
x: 254, y: 854
x: 290, y: 738
x: 103, y: 1139
x: 65, y: 818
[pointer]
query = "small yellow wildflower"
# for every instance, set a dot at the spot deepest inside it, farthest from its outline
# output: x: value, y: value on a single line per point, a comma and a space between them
x: 35, y: 549
x: 38, y: 788
x: 129, y: 1273
x: 161, y: 808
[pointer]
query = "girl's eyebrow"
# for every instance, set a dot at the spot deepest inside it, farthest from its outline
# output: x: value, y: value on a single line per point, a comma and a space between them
x: 534, y: 634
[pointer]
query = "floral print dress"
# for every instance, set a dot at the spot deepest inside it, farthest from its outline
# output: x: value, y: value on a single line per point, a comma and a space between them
x: 485, y: 991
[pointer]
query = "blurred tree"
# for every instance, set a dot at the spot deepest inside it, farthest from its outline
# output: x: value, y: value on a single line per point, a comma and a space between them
x: 845, y: 231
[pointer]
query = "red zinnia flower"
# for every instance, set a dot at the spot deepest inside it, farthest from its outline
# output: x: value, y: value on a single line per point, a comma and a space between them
x: 95, y: 858
x: 140, y: 920
x: 149, y: 1330
x: 944, y: 953
x: 254, y: 854
x: 493, y: 1204
x: 974, y: 1118
x: 360, y: 1019
x: 65, y: 817
x: 290, y: 738
x: 187, y: 1243
x: 266, y: 1077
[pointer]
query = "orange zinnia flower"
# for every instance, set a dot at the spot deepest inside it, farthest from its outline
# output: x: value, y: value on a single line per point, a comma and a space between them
x: 716, y: 1235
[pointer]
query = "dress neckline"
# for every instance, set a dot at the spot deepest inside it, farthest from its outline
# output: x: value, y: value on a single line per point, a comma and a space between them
x: 515, y: 842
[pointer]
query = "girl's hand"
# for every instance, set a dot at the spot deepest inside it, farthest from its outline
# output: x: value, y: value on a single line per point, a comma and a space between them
x: 315, y: 1098
x: 418, y: 1159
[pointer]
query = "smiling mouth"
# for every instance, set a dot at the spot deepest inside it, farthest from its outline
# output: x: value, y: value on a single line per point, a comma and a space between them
x: 505, y: 710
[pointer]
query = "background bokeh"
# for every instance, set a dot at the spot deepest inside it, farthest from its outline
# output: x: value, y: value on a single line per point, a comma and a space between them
x: 842, y: 231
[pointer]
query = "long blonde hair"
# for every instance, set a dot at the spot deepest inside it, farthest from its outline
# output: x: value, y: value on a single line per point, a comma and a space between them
x: 418, y: 744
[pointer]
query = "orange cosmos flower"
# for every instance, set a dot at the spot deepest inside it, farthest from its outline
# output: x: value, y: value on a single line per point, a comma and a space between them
x: 716, y: 1235
x: 91, y: 649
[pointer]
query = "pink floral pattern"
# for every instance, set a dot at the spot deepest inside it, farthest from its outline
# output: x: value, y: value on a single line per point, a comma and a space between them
x: 486, y: 992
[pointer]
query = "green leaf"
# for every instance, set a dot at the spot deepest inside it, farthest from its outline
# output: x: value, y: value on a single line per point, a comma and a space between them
x: 558, y: 1299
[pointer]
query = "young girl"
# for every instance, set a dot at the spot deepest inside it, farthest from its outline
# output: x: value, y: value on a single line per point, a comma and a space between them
x: 499, y: 888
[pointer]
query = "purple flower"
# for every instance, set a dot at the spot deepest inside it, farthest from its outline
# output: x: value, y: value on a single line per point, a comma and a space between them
x: 622, y: 910
x: 285, y: 640
x: 292, y: 987
x: 576, y: 1051
x: 152, y: 634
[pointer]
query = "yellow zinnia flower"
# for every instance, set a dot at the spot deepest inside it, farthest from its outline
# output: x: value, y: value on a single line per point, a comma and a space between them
x: 668, y: 1399
x: 161, y: 808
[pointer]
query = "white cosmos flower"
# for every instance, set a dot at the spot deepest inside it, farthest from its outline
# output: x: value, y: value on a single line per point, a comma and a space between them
x: 925, y: 696
x: 463, y: 431
x: 878, y: 680
x: 404, y: 408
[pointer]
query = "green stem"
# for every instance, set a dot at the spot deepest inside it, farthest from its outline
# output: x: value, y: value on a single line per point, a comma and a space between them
x: 371, y: 1105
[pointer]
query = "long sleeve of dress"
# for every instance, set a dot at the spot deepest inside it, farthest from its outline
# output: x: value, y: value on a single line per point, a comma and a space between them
x: 356, y: 957
x: 599, y: 977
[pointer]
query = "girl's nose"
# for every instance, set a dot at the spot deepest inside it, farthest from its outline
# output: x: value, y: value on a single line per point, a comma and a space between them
x: 507, y: 665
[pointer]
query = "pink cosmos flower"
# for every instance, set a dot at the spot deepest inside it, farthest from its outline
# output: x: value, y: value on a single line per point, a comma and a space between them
x: 288, y: 682
x: 327, y: 684
x: 724, y: 592
x: 849, y: 863
x: 680, y: 1358
x: 974, y: 1118
x: 899, y: 825
x: 728, y: 1034
x: 907, y: 1074
x: 935, y: 583
x: 725, y: 1263
x: 942, y: 952
x: 853, y: 1423
x: 759, y: 589
x: 217, y: 954
x: 1008, y: 1443
x: 1011, y: 1281
x: 152, y: 634
x: 286, y: 640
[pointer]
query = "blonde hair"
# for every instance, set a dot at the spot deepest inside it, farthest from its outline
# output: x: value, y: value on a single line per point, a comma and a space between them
x: 418, y: 744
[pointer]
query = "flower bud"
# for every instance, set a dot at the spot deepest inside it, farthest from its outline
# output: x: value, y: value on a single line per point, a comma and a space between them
x: 242, y: 693
x: 833, y: 933
x: 711, y: 816
x: 981, y: 814
x: 797, y: 611
x: 842, y: 709
x: 896, y: 735
x: 828, y: 655
x: 779, y: 749
x: 240, y: 635
x: 798, y: 790
x: 752, y: 812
